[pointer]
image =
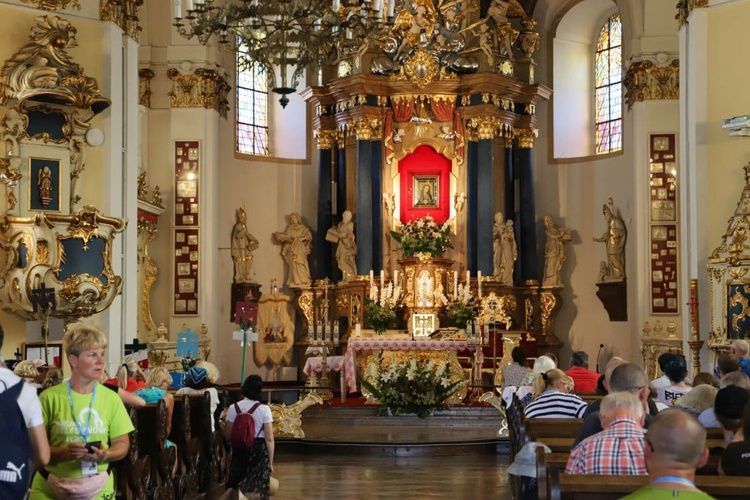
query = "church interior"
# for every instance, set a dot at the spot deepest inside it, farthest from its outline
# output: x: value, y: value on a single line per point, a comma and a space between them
x: 303, y: 190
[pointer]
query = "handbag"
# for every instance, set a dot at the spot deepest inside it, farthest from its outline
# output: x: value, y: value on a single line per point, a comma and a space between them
x: 273, y: 486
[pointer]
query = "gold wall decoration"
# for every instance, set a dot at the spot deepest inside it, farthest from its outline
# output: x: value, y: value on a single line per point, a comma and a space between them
x: 49, y: 238
x: 204, y: 88
x: 526, y: 137
x: 144, y: 86
x: 287, y: 420
x: 651, y: 81
x: 124, y: 13
x: 54, y: 4
x: 685, y: 7
x: 529, y: 40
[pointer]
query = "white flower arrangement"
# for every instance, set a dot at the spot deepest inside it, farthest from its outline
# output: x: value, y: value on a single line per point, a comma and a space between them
x: 424, y: 235
x: 387, y: 296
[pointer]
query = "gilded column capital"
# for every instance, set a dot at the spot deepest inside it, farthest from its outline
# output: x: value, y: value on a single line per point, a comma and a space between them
x: 54, y: 4
x: 204, y: 88
x: 124, y: 13
x: 526, y: 137
x: 145, y: 75
x: 652, y: 81
x: 366, y: 129
x: 482, y: 128
x: 325, y: 138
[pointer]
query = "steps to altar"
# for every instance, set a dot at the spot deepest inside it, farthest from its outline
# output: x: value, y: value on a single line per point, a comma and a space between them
x: 458, y: 430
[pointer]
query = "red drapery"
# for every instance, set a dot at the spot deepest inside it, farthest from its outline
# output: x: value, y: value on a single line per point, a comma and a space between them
x: 388, y: 137
x: 443, y: 107
x: 460, y: 143
x: 403, y: 108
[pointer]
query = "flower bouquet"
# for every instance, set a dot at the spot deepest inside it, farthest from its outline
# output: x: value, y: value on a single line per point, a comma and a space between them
x: 461, y: 308
x: 423, y: 235
x: 380, y: 307
x: 414, y: 386
x: 187, y: 363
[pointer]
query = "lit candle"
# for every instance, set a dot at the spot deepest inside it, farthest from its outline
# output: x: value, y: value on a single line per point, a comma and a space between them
x: 479, y: 284
x: 455, y: 285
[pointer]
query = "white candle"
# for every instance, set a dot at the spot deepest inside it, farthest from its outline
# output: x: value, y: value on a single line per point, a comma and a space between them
x: 468, y: 278
x: 395, y: 278
x: 190, y: 5
x: 357, y: 330
x: 178, y: 9
x: 382, y: 279
x: 372, y: 280
x: 336, y: 5
x: 479, y: 284
x: 391, y: 8
x: 455, y: 285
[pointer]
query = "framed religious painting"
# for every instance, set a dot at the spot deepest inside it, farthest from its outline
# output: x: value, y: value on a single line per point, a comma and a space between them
x: 426, y: 191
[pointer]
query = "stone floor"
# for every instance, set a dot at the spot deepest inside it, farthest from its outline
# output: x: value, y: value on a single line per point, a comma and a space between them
x: 369, y: 477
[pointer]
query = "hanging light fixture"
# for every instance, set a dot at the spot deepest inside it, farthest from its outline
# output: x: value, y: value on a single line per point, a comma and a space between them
x: 290, y: 35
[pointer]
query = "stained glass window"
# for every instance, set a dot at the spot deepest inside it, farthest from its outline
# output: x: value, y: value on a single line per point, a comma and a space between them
x: 609, y: 87
x: 252, y: 107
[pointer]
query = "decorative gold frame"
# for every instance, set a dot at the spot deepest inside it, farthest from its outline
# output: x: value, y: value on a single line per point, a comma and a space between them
x: 31, y: 184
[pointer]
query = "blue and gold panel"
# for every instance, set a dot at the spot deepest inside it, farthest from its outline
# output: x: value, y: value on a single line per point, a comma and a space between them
x: 44, y: 184
x: 46, y: 124
x: 738, y: 311
x: 83, y: 258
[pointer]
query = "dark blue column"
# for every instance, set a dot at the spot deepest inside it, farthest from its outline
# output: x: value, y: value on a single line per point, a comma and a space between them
x: 527, y: 216
x: 364, y: 222
x: 377, y: 205
x: 472, y: 204
x: 510, y: 186
x: 485, y: 206
x: 323, y: 249
x: 341, y: 181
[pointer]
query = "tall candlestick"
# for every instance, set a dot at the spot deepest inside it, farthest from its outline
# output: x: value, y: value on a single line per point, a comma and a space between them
x: 455, y: 285
x: 479, y: 284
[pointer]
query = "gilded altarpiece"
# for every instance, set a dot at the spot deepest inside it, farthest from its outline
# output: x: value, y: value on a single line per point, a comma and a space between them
x: 729, y: 277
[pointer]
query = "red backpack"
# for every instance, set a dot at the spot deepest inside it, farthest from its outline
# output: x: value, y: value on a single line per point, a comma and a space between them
x: 243, y: 428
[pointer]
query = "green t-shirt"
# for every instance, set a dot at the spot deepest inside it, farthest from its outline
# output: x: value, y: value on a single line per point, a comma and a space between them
x: 109, y: 420
x: 651, y: 493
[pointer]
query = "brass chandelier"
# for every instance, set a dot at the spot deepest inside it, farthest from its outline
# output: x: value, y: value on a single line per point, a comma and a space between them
x: 290, y: 35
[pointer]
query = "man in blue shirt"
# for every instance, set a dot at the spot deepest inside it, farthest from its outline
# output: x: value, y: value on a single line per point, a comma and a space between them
x: 740, y: 349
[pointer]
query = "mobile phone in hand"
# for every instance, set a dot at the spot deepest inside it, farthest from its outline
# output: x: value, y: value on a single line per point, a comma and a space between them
x: 93, y: 444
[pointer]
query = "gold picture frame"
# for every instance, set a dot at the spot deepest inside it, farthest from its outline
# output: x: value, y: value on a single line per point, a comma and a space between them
x: 426, y: 191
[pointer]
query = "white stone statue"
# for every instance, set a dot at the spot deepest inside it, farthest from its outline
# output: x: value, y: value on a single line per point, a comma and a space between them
x: 346, y: 252
x: 614, y: 239
x: 459, y: 200
x: 243, y: 244
x: 554, y: 251
x: 296, y: 242
x: 505, y: 250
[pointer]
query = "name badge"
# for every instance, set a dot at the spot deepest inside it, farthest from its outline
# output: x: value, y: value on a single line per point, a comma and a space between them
x: 89, y: 468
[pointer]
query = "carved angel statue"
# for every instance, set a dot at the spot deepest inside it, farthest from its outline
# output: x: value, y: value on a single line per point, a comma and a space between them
x: 505, y: 249
x: 614, y: 239
x: 446, y: 133
x: 346, y: 251
x: 243, y: 244
x: 459, y: 200
x: 44, y: 182
x: 554, y: 251
x: 296, y: 240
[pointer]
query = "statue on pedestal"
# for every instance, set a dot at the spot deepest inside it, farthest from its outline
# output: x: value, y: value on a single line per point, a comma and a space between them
x: 554, y: 251
x: 296, y: 242
x: 243, y: 243
x: 614, y: 239
x: 346, y: 252
x: 506, y: 252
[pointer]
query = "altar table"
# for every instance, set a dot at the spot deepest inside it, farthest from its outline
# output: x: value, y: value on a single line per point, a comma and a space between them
x: 315, y: 364
x: 391, y: 344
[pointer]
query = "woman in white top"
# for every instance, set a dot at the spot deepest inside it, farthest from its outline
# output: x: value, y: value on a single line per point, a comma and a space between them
x: 251, y: 468
x: 676, y: 370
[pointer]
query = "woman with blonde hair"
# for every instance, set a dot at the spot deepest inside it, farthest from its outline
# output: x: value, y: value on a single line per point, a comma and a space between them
x: 156, y: 389
x: 554, y: 399
x: 698, y: 400
x: 27, y: 371
x: 542, y: 364
x: 126, y: 376
x: 88, y: 426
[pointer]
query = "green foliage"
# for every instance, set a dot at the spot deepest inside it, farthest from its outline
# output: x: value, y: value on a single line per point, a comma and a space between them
x: 415, y: 386
x: 379, y: 318
x: 423, y: 236
x: 459, y: 313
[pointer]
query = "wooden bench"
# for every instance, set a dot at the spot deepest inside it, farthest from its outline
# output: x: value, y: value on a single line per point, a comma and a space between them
x: 589, y: 487
x: 189, y: 453
x: 539, y: 428
x: 152, y: 441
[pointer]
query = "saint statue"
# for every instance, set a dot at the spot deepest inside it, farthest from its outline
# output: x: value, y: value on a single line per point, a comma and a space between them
x: 554, y: 251
x: 45, y: 185
x: 243, y: 243
x: 346, y: 252
x: 296, y: 242
x: 614, y: 239
x: 505, y: 250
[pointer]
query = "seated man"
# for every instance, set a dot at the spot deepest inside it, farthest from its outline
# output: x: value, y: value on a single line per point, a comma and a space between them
x: 740, y: 349
x: 675, y: 446
x: 625, y: 378
x: 585, y: 380
x: 619, y: 448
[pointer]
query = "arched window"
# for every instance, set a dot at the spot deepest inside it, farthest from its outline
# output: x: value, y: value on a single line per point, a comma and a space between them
x: 608, y: 87
x: 252, y: 107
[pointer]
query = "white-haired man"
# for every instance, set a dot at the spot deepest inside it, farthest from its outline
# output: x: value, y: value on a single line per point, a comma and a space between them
x: 618, y: 449
x: 740, y: 349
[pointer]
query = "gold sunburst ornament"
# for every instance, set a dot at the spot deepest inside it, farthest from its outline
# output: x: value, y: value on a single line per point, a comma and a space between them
x: 422, y: 68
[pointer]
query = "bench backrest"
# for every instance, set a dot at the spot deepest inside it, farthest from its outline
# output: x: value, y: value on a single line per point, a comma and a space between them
x: 552, y: 427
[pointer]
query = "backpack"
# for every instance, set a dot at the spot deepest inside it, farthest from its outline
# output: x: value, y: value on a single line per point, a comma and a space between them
x: 243, y: 428
x: 16, y: 453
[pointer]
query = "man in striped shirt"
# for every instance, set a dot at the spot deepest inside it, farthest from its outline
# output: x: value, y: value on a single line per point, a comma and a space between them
x: 618, y: 449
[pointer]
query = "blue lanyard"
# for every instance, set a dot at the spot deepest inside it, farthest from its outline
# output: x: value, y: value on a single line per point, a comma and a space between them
x: 84, y: 432
x: 674, y: 479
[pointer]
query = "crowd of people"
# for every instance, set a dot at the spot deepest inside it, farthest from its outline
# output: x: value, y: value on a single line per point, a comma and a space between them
x: 74, y: 427
x: 640, y: 426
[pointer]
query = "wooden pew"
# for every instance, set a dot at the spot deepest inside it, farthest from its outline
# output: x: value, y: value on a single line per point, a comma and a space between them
x: 213, y: 467
x: 152, y: 441
x: 189, y: 452
x: 539, y: 428
x: 578, y: 487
